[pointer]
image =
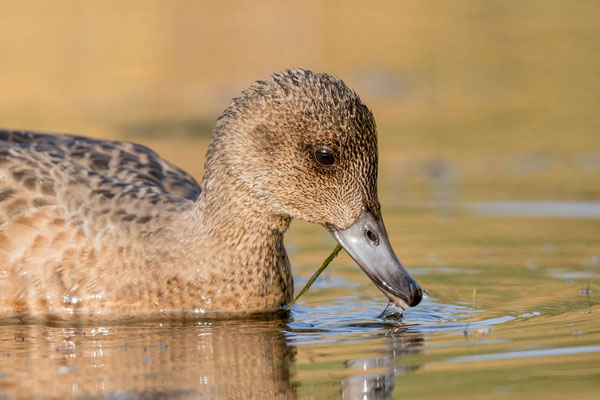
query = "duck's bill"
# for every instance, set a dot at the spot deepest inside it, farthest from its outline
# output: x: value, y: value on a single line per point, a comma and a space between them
x: 367, y: 243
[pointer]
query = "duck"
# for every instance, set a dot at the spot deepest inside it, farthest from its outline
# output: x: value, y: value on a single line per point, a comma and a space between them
x: 101, y: 228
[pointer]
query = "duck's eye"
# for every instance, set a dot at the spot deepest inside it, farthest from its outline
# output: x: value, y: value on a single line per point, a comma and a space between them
x: 324, y: 157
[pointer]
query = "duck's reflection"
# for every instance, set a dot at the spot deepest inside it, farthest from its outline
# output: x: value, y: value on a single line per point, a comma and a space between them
x: 214, y: 359
x: 378, y: 376
x: 211, y: 359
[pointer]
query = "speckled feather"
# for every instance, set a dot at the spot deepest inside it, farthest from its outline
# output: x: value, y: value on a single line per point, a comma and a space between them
x: 103, y: 228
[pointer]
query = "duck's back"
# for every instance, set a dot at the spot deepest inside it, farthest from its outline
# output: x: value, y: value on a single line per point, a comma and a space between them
x: 120, y: 161
x: 68, y: 206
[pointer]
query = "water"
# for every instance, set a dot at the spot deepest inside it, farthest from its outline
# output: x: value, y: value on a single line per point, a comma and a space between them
x: 489, y: 169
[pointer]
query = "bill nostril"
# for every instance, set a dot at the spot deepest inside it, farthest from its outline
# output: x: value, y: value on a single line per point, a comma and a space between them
x: 372, y: 237
x: 416, y: 294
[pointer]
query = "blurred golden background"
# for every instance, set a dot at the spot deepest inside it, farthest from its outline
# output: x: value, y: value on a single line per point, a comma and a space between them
x: 501, y: 96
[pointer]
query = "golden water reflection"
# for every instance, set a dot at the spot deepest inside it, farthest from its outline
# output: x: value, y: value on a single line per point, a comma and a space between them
x: 218, y: 359
x: 225, y: 359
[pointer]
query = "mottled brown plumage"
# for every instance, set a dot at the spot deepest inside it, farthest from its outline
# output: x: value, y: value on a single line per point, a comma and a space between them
x: 90, y: 226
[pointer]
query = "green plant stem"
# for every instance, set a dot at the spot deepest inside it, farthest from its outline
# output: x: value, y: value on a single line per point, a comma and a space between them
x: 316, y: 274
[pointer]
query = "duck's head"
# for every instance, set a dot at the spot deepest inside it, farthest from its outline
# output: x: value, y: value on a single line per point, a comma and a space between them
x: 302, y: 144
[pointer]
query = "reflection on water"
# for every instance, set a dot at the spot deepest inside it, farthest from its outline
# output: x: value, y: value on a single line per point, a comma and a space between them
x: 227, y: 359
x: 216, y: 359
x: 375, y: 377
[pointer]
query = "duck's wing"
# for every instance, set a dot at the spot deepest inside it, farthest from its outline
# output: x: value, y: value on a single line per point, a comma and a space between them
x: 122, y: 161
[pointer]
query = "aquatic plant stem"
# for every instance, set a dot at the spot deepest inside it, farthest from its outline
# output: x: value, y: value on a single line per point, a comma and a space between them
x: 316, y: 274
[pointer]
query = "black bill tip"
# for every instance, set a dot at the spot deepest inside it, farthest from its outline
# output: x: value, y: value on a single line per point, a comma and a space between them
x: 416, y: 294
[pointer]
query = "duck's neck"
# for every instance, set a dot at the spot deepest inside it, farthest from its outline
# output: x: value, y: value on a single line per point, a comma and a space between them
x: 234, y: 221
x: 235, y: 252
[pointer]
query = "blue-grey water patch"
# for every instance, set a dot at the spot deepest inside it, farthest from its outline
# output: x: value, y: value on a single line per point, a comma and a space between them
x: 525, y: 354
x: 549, y: 209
